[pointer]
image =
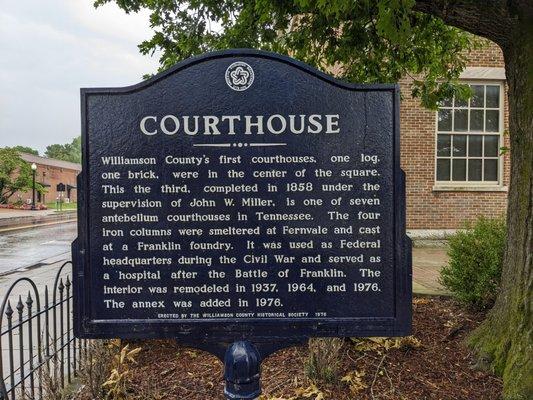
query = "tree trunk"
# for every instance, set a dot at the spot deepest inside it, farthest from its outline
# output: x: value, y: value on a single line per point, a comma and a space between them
x: 505, y: 339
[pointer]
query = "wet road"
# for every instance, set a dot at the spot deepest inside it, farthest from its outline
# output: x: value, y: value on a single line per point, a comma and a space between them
x: 30, y: 247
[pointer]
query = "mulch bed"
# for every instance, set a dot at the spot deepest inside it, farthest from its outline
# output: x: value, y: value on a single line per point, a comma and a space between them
x: 439, y: 367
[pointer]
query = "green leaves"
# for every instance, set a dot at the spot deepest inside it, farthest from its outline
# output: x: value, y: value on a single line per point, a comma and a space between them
x: 358, y: 40
x: 66, y: 152
x: 393, y: 21
x: 15, y: 174
x: 476, y: 255
x: 26, y: 149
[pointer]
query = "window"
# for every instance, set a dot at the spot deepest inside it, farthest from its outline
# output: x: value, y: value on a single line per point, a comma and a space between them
x: 469, y: 136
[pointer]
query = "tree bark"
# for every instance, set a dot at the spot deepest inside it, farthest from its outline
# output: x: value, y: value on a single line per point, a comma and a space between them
x: 505, y: 339
x: 488, y: 18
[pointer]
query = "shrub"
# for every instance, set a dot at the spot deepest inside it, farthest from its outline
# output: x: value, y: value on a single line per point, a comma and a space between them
x: 116, y: 384
x: 95, y: 369
x: 324, y: 359
x: 476, y: 255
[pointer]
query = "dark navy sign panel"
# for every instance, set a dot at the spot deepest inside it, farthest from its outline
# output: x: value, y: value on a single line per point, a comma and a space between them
x: 241, y: 194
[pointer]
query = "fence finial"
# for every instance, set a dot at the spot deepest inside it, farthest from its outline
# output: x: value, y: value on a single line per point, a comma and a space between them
x: 29, y: 300
x: 20, y: 306
x: 9, y: 310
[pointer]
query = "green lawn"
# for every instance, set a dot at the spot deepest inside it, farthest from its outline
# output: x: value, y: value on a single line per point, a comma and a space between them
x: 64, y: 207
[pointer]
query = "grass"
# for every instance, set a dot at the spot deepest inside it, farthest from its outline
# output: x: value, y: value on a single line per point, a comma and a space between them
x: 64, y: 207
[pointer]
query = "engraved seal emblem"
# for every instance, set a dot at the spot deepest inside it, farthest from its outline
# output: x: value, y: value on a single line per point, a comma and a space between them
x: 239, y: 76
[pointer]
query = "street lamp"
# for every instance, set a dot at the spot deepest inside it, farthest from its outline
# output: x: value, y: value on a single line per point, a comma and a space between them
x: 34, y: 170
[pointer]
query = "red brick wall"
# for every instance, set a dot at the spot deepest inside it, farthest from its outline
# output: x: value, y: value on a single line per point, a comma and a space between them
x: 50, y: 175
x: 428, y: 209
x: 53, y: 176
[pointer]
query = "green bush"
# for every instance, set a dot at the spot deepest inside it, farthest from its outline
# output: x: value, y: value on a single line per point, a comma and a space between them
x: 476, y: 255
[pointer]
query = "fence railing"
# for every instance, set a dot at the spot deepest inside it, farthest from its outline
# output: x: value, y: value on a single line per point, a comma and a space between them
x: 37, y: 345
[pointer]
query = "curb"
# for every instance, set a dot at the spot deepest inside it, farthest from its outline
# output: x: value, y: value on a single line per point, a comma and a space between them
x: 421, y: 290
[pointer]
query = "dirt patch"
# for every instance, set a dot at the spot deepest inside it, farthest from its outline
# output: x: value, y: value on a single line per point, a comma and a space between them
x: 434, y: 364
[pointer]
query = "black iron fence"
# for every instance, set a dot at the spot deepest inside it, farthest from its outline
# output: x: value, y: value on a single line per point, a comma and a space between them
x: 37, y: 346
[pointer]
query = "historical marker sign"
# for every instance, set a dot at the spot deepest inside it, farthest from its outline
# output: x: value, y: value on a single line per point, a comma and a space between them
x: 241, y: 194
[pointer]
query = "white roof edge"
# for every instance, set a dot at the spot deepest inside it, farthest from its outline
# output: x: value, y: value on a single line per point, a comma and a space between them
x: 488, y: 73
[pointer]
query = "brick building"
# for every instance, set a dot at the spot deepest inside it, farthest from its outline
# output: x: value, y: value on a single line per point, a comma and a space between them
x: 50, y: 173
x: 452, y: 157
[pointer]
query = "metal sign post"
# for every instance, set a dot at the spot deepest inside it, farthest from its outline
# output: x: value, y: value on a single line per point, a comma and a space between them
x: 242, y: 371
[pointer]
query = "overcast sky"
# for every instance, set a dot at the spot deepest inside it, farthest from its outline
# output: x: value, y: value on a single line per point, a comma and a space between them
x: 48, y: 51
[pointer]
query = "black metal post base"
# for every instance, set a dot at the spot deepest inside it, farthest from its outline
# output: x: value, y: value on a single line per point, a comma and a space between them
x: 242, y: 371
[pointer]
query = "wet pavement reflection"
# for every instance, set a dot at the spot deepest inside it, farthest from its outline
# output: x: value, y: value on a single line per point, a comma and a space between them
x: 29, y: 247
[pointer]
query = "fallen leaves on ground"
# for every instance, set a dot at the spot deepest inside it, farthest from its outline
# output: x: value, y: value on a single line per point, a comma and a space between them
x: 434, y: 363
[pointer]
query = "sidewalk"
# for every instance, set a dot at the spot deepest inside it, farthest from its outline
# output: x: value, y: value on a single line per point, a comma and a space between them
x: 6, y: 213
x: 427, y: 263
x: 26, y: 218
x: 42, y: 274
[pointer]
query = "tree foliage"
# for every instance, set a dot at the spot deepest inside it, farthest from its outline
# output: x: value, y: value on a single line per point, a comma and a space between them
x: 66, y: 152
x: 373, y: 41
x: 15, y: 174
x: 26, y: 149
x: 474, y: 270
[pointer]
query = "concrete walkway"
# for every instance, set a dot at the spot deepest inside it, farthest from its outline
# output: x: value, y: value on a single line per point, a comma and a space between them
x: 6, y: 213
x: 10, y: 219
x: 427, y: 263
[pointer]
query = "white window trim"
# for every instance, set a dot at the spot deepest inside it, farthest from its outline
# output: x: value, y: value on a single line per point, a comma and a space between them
x: 485, y: 73
x: 471, y: 188
x: 474, y: 186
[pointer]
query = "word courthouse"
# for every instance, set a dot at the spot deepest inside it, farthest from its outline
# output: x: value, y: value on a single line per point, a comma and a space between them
x: 212, y: 125
x: 241, y: 195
